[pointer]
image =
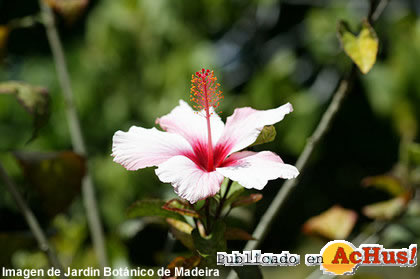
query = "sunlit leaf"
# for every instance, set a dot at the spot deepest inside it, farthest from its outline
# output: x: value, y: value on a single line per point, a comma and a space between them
x: 34, y: 99
x: 201, y: 229
x: 247, y: 200
x: 268, y: 134
x: 361, y: 49
x: 386, y: 210
x: 180, y: 207
x: 387, y: 183
x: 151, y: 207
x: 180, y: 225
x: 237, y: 234
x: 208, y: 246
x: 55, y: 177
x: 182, y: 232
x: 335, y: 223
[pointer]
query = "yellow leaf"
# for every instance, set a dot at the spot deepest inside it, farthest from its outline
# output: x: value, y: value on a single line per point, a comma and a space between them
x: 335, y: 223
x: 387, y: 183
x: 386, y: 210
x: 361, y: 49
x: 181, y: 231
x: 179, y: 225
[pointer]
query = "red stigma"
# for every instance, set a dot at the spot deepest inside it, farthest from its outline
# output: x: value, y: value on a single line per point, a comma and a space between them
x: 205, y: 91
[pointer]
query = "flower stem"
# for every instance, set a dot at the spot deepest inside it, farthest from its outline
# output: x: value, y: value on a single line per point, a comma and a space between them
x: 223, y: 199
x: 207, y: 208
x: 33, y: 224
x: 79, y: 146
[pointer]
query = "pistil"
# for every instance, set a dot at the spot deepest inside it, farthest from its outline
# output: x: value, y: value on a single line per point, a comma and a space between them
x: 210, y: 166
x: 205, y: 93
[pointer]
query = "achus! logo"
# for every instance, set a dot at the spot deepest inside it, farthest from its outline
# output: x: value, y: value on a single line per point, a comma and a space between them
x: 340, y: 257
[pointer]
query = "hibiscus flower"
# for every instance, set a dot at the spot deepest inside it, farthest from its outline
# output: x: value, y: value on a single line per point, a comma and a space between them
x: 196, y: 150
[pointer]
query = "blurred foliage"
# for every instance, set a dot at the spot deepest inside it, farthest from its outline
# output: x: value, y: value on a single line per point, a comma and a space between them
x: 130, y: 62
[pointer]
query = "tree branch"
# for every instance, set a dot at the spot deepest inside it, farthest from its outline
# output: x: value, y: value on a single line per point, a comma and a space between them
x: 320, y: 131
x: 33, y: 224
x: 89, y: 199
x: 223, y: 199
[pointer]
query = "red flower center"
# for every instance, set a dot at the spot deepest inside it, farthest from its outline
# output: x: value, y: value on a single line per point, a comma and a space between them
x: 200, y: 156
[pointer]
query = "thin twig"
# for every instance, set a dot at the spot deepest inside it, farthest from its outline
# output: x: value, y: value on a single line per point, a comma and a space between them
x: 89, y: 199
x: 271, y: 213
x: 269, y: 216
x: 33, y: 224
x: 320, y: 131
x: 322, y: 128
x: 379, y: 10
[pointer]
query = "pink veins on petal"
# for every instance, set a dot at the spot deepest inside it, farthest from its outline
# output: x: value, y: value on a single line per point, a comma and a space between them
x: 197, y: 150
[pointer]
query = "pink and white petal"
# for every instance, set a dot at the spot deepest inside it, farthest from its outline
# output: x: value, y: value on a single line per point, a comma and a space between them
x: 140, y: 148
x: 189, y: 181
x: 245, y: 124
x: 255, y: 169
x: 192, y: 125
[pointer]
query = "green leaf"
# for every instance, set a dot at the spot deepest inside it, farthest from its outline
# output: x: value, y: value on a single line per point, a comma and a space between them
x: 182, y: 232
x: 387, y: 183
x: 151, y: 207
x: 55, y: 178
x: 208, y: 246
x: 248, y: 272
x: 34, y: 99
x: 180, y: 207
x: 361, y: 49
x: 247, y: 200
x: 335, y: 223
x: 268, y: 134
x: 386, y: 210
